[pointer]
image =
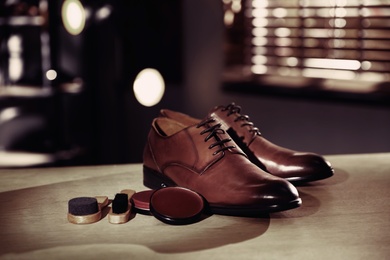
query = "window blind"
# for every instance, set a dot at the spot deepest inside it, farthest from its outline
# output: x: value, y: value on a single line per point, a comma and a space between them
x: 327, y: 39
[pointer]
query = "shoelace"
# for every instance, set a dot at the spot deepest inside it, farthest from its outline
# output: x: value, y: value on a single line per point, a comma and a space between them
x: 213, y: 131
x: 232, y: 109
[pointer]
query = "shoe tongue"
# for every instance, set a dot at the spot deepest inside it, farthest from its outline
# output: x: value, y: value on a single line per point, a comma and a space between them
x: 215, y: 122
x: 222, y: 134
x: 228, y: 124
x: 220, y: 119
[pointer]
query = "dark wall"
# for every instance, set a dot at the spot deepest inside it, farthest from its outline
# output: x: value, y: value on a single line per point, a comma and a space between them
x: 184, y: 41
x: 192, y: 63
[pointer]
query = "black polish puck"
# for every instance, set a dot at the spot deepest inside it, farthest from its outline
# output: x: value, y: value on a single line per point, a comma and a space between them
x: 82, y: 206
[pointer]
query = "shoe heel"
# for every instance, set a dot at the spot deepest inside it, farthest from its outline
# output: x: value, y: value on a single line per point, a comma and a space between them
x: 155, y: 180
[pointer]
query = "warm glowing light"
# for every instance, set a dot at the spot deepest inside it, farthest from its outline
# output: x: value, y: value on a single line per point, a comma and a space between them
x: 283, y: 41
x: 103, y: 13
x: 333, y: 74
x: 282, y: 32
x: 283, y: 51
x: 259, y: 69
x: 326, y: 30
x: 14, y: 44
x: 259, y: 50
x: 373, y: 76
x: 279, y: 12
x: 259, y: 12
x: 260, y: 3
x: 149, y: 87
x: 259, y: 59
x: 338, y: 2
x: 317, y: 33
x: 236, y: 6
x: 340, y: 12
x: 15, y: 62
x: 258, y: 32
x: 292, y: 61
x: 23, y: 159
x: 366, y: 12
x: 15, y: 68
x: 73, y: 16
x: 228, y: 18
x: 259, y: 41
x: 339, y: 33
x: 340, y: 23
x: 366, y: 65
x: 260, y: 22
x: 9, y: 113
x: 51, y: 74
x: 324, y: 12
x: 306, y: 12
x: 337, y: 43
x: 333, y: 64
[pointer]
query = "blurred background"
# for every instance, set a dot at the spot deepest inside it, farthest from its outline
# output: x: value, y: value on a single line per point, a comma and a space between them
x: 81, y: 81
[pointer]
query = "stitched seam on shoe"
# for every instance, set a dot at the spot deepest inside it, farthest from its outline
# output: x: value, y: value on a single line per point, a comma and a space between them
x: 212, y: 163
x: 189, y: 168
x: 193, y: 148
x: 153, y: 157
x: 204, y: 169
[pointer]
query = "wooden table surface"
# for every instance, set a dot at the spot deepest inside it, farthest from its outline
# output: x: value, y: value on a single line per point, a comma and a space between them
x: 344, y: 217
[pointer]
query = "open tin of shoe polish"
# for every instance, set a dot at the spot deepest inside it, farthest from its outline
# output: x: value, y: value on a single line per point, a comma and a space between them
x: 141, y: 200
x: 176, y: 205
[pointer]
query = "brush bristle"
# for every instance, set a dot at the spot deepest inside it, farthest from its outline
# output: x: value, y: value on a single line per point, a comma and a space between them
x: 82, y: 206
x: 120, y: 203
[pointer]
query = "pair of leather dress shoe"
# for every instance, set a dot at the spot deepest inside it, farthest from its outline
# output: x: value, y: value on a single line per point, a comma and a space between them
x: 225, y: 159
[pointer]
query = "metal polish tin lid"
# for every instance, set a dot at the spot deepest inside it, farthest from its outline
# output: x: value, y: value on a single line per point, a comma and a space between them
x: 176, y: 205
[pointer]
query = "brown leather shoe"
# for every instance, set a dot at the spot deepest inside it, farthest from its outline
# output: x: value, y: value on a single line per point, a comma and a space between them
x: 294, y: 166
x: 203, y: 158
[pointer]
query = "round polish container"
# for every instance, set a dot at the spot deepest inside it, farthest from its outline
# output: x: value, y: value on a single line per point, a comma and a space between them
x: 141, y: 200
x: 176, y: 205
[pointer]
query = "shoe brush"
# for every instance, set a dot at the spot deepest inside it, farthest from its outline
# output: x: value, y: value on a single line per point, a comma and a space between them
x: 121, y: 207
x: 86, y: 210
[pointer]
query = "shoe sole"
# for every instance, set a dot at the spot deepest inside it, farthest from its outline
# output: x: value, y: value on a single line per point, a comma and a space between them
x: 253, y: 211
x: 156, y: 180
x: 305, y: 180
